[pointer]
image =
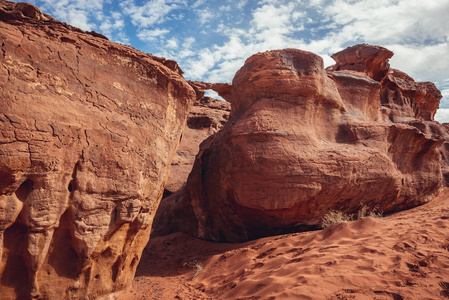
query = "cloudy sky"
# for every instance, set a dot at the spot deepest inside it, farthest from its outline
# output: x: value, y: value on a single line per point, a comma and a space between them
x: 211, y: 39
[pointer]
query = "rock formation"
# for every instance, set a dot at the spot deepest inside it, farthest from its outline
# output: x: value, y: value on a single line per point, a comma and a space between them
x: 223, y: 89
x: 302, y: 141
x: 205, y: 118
x: 88, y: 131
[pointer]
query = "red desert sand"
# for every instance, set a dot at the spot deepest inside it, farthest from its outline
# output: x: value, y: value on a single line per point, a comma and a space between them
x: 401, y: 256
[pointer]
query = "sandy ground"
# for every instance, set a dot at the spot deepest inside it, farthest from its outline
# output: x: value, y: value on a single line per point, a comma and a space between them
x: 401, y: 256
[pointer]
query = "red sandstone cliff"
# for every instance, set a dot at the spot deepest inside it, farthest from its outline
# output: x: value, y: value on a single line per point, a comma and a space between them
x: 302, y: 141
x: 88, y: 131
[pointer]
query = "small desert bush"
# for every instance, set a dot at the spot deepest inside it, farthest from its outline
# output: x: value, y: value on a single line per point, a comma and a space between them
x: 338, y: 217
x: 196, y: 265
x: 366, y: 212
x: 334, y: 217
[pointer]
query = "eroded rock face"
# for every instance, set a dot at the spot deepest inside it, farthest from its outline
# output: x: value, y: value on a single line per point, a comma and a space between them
x: 88, y: 131
x: 402, y: 98
x: 206, y: 117
x: 302, y: 141
x: 223, y: 89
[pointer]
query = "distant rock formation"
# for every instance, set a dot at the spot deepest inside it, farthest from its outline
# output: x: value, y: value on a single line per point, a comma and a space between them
x: 402, y: 98
x: 88, y: 131
x: 223, y: 89
x: 205, y: 118
x: 302, y: 141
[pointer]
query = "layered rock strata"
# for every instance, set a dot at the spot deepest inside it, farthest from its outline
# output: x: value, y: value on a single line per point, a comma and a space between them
x: 302, y: 141
x: 88, y: 132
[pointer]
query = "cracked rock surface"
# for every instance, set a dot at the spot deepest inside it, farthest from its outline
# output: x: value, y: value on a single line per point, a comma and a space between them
x: 88, y: 129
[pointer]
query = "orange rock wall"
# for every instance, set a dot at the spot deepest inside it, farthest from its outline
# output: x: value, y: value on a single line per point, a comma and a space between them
x: 88, y: 131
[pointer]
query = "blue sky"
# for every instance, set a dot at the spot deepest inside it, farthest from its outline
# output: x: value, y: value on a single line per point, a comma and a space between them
x: 211, y: 39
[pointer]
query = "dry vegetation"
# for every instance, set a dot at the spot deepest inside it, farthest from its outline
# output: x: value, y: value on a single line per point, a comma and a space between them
x: 334, y: 217
x: 196, y: 265
x: 338, y: 217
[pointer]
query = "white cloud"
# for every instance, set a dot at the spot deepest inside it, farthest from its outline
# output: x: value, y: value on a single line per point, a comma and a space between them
x: 172, y: 43
x: 424, y: 63
x: 315, y: 2
x: 241, y: 4
x: 109, y: 25
x: 444, y: 103
x: 189, y: 41
x: 207, y: 60
x: 151, y: 35
x: 187, y: 48
x: 198, y: 3
x: 205, y: 16
x: 445, y: 92
x: 226, y: 70
x: 389, y: 21
x: 80, y: 19
x: 79, y: 13
x: 213, y: 94
x: 182, y: 54
x: 225, y: 8
x: 272, y: 28
x: 279, y: 17
x: 442, y: 115
x: 87, y: 15
x: 152, y: 12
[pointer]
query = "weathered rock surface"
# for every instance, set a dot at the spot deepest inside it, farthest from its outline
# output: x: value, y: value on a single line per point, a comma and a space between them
x: 402, y: 98
x: 88, y: 131
x: 205, y: 118
x: 302, y: 141
x: 223, y: 89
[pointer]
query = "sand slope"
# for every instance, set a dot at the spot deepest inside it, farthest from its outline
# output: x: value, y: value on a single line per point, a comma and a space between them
x: 401, y: 256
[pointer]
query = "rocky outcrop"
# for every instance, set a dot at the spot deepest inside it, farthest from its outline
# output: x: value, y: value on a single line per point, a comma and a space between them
x: 371, y: 60
x: 88, y: 131
x: 402, y: 98
x: 302, y: 141
x: 205, y: 118
x: 223, y: 89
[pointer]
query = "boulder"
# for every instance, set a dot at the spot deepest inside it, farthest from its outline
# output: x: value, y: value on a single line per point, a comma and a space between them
x: 88, y: 131
x: 302, y: 141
